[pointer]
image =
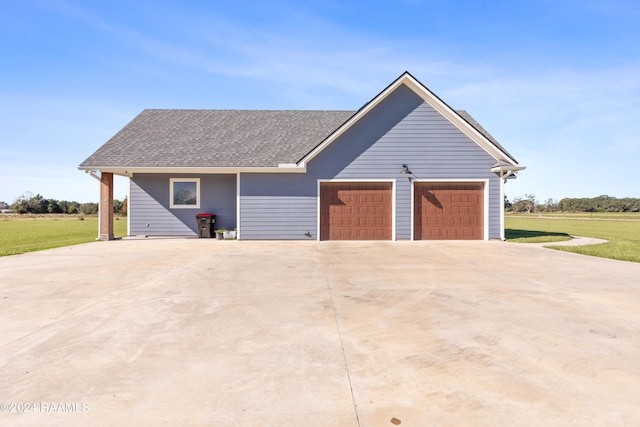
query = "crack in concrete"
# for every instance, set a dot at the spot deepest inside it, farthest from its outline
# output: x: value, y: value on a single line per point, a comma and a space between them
x: 344, y: 356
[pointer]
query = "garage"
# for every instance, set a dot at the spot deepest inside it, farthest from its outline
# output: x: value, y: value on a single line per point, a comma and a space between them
x: 356, y: 210
x: 448, y: 211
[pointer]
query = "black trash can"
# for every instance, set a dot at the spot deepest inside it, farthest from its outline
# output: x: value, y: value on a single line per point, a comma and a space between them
x: 205, y: 224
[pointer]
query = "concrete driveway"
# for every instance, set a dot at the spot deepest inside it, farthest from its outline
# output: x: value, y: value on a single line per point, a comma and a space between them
x: 227, y: 333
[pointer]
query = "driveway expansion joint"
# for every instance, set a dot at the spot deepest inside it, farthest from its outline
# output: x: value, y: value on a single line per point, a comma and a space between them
x: 344, y: 356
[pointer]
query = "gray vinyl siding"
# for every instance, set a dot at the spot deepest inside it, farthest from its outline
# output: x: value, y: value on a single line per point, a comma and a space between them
x: 285, y: 218
x: 277, y: 206
x: 151, y: 215
x: 402, y: 129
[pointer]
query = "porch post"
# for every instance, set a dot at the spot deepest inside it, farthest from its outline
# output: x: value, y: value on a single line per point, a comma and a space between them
x: 105, y: 210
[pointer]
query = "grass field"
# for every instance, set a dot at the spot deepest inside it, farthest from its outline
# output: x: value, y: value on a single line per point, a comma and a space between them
x: 19, y: 234
x: 621, y: 216
x: 622, y: 230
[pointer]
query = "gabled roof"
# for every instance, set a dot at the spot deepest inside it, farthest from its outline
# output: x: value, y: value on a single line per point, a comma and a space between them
x: 467, y: 117
x: 215, y: 138
x: 218, y: 140
x: 461, y: 119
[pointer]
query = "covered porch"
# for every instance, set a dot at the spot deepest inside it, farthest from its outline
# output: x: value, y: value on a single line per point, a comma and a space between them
x: 156, y: 205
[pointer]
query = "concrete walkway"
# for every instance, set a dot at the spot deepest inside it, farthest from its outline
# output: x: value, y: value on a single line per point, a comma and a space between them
x: 575, y: 241
x: 202, y: 332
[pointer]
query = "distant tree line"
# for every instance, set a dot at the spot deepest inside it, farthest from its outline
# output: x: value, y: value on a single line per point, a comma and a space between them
x: 604, y: 203
x: 30, y: 204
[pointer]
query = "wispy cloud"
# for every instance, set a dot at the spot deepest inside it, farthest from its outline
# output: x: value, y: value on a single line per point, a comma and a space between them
x: 572, y: 128
x: 550, y: 113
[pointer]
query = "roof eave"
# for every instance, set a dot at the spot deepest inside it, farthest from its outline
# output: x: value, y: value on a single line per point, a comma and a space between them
x: 130, y: 171
x: 508, y: 168
x: 454, y: 117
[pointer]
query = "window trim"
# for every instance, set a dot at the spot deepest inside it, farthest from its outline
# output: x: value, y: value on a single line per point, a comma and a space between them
x: 172, y: 205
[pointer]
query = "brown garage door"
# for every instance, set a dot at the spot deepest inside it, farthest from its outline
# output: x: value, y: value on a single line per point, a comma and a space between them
x: 355, y: 211
x: 448, y: 211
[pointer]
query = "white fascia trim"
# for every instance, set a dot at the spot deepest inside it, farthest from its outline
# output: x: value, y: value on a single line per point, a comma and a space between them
x: 283, y: 168
x: 455, y: 118
x: 338, y: 132
x: 91, y: 170
x: 485, y: 201
x: 513, y: 168
x: 393, y: 201
x: 431, y: 99
x: 357, y: 180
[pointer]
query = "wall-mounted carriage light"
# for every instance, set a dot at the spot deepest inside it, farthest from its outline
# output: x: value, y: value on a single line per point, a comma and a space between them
x: 405, y: 169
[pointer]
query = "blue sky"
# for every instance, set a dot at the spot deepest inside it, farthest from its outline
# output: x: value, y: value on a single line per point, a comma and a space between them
x: 556, y: 82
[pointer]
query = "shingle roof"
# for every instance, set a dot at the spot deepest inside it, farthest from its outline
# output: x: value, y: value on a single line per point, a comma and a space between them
x: 223, y: 138
x: 482, y: 130
x: 216, y: 138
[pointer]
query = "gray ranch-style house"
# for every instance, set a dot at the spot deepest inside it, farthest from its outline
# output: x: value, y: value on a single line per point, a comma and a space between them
x: 405, y: 166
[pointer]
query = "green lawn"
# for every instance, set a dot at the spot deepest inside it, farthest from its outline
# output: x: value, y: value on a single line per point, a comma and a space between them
x: 623, y: 216
x: 19, y: 235
x: 621, y: 230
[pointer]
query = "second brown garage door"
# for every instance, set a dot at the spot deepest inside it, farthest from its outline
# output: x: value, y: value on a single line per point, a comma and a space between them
x: 448, y: 211
x: 355, y: 211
